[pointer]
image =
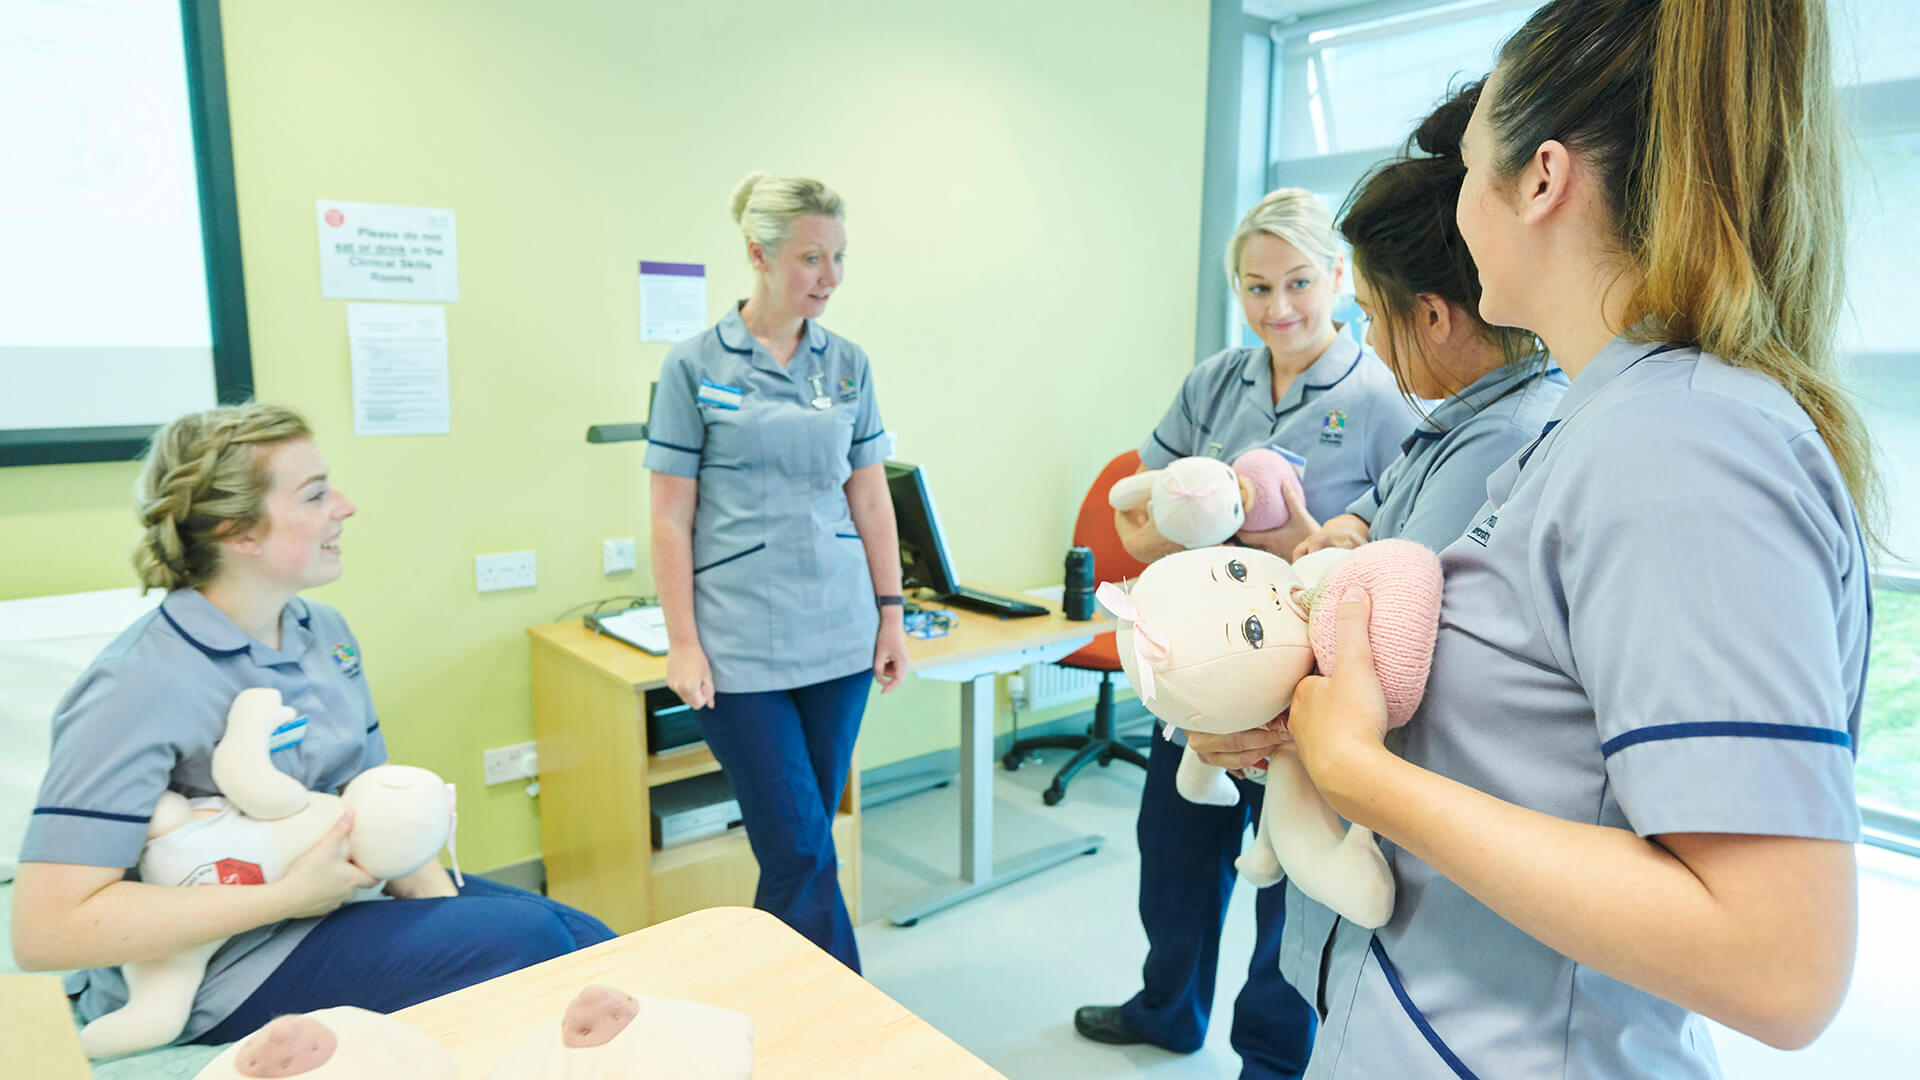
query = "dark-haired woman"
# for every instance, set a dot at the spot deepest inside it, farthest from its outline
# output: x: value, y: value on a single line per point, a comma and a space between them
x: 1420, y: 291
x: 1627, y: 800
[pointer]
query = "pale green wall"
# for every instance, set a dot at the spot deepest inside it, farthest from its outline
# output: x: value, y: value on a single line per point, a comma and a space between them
x: 1023, y: 183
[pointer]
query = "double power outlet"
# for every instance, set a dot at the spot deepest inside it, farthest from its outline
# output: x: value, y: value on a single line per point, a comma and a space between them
x: 520, y: 569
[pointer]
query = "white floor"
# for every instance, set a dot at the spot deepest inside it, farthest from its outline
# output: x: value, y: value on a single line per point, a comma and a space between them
x: 1002, y: 974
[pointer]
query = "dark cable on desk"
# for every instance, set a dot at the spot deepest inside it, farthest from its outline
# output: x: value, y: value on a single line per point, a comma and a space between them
x: 600, y: 604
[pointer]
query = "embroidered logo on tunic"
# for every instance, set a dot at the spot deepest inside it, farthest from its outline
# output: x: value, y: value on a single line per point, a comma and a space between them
x: 347, y: 659
x: 1333, y: 429
x: 848, y: 391
x: 1483, y: 530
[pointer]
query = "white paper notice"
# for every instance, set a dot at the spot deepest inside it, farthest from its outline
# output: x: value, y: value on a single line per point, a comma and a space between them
x: 373, y: 252
x: 399, y: 369
x: 673, y: 300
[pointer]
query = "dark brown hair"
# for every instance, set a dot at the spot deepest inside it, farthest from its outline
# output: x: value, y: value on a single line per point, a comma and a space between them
x: 1401, y: 224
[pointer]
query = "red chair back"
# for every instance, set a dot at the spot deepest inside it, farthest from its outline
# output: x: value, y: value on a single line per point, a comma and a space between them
x: 1094, y: 530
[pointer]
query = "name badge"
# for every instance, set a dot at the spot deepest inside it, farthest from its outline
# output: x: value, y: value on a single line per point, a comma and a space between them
x: 288, y: 734
x: 720, y: 395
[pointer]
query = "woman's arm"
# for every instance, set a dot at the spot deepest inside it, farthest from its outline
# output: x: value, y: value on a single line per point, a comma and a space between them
x: 67, y: 915
x: 672, y: 501
x: 871, y: 504
x: 1757, y: 932
x: 427, y: 883
x: 1138, y: 535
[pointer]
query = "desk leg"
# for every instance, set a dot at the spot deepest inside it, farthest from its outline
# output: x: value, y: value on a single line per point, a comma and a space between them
x: 978, y: 872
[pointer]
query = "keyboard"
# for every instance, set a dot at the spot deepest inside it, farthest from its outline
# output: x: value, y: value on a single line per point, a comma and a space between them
x: 1005, y: 607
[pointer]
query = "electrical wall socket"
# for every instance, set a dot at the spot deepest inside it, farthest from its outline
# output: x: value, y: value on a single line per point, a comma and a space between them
x: 616, y: 556
x: 505, y: 763
x: 509, y: 570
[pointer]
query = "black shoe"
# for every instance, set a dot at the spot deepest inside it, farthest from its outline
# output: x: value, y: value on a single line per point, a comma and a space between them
x: 1102, y: 1024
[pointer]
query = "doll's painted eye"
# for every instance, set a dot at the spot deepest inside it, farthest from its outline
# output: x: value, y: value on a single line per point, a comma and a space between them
x: 1237, y: 570
x: 1252, y: 631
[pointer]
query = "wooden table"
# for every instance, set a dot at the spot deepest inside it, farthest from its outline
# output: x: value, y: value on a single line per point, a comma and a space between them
x: 811, y: 1016
x: 36, y: 1029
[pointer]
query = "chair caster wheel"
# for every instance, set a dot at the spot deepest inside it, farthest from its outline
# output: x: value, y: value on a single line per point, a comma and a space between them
x: 1105, y: 759
x: 1011, y: 762
x: 1053, y: 795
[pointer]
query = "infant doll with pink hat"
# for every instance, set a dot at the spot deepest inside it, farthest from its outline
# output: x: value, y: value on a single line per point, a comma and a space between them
x: 1199, y: 501
x: 1215, y: 640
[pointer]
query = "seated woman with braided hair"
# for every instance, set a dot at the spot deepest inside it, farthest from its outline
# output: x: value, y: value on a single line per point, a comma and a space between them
x: 239, y: 519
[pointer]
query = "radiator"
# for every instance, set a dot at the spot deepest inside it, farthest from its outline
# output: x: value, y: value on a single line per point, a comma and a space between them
x: 1049, y: 685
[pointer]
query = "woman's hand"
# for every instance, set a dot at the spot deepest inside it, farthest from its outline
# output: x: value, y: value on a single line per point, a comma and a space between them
x: 1241, y: 750
x: 1286, y: 539
x: 1345, y: 531
x: 890, y: 650
x: 1340, y: 721
x: 689, y: 677
x: 427, y: 883
x: 322, y: 878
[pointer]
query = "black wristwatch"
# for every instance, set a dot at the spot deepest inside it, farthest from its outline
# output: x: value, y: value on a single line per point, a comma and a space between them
x: 890, y: 601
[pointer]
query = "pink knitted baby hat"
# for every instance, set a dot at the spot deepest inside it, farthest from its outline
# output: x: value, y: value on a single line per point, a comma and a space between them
x: 1402, y: 579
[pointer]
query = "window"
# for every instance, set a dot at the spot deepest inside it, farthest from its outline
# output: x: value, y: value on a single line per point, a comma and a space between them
x: 1343, y: 94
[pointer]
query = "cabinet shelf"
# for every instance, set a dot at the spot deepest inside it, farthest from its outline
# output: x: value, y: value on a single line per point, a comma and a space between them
x: 679, y: 764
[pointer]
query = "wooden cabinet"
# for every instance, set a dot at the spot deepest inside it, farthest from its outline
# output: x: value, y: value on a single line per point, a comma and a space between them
x: 596, y: 776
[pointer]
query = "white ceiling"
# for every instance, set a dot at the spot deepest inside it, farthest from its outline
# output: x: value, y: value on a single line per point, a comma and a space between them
x: 1282, y: 9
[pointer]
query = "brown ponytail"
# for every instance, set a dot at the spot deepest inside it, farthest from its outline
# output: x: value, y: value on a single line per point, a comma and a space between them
x: 1714, y: 127
x: 204, y: 478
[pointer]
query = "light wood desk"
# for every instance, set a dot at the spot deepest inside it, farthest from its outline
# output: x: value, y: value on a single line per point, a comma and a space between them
x: 596, y: 774
x: 812, y: 1018
x: 36, y: 1028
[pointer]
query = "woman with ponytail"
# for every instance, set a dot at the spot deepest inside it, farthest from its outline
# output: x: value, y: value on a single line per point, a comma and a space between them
x: 774, y: 547
x: 1627, y: 800
x: 238, y: 517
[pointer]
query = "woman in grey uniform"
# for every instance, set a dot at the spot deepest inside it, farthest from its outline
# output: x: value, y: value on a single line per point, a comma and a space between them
x: 774, y: 547
x: 1627, y: 800
x: 239, y: 517
x: 1494, y: 388
x: 1311, y: 390
x: 1492, y: 385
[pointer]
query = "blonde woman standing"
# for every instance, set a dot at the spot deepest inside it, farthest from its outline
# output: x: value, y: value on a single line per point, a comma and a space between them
x: 774, y: 547
x: 239, y: 516
x: 1313, y: 391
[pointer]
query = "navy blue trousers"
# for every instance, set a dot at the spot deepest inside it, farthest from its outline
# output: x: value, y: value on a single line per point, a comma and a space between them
x: 786, y: 754
x: 390, y: 954
x: 1186, y: 877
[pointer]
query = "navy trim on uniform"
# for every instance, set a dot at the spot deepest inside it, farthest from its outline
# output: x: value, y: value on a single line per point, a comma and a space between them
x: 819, y: 349
x: 1732, y: 728
x: 672, y: 446
x: 1422, y: 433
x: 1164, y: 446
x: 1419, y: 1019
x: 130, y: 819
x: 723, y: 344
x: 306, y: 615
x: 848, y: 536
x: 373, y: 727
x: 217, y: 654
x: 1341, y: 379
x: 1528, y: 452
x: 871, y: 437
x: 730, y: 558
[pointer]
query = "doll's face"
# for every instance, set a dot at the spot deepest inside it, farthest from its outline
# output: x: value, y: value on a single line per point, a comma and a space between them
x: 1236, y: 640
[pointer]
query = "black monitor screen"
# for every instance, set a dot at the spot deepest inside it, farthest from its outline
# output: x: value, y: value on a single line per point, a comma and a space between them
x: 924, y: 559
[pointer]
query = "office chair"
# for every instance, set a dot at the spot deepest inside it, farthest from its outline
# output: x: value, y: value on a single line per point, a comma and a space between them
x: 1094, y: 530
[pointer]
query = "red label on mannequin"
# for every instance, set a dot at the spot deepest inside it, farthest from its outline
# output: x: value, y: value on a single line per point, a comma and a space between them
x: 236, y: 872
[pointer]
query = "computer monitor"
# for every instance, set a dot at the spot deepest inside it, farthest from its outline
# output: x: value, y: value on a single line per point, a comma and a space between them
x: 924, y: 558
